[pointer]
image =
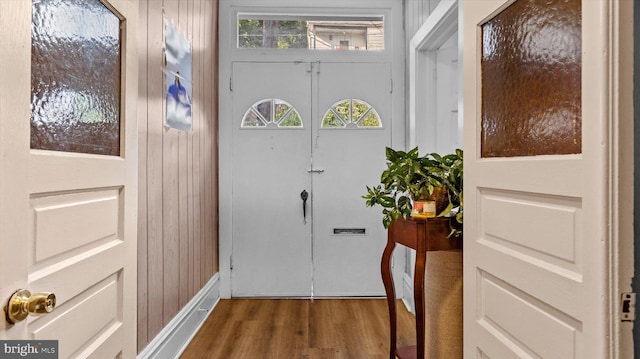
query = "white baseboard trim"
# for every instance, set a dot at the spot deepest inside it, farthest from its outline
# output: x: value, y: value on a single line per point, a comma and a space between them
x: 407, y: 293
x: 174, y: 338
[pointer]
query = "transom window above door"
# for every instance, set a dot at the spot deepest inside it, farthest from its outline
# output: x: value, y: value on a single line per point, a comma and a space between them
x: 271, y: 112
x: 315, y: 32
x: 351, y: 113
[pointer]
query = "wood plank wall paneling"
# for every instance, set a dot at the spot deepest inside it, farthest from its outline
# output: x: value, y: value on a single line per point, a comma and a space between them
x: 178, y: 199
x: 416, y: 13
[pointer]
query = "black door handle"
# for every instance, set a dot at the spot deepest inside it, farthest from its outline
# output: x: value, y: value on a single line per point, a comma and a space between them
x: 304, y: 195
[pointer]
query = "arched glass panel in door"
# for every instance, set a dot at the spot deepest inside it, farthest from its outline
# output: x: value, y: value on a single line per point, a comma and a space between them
x: 351, y: 113
x: 271, y: 112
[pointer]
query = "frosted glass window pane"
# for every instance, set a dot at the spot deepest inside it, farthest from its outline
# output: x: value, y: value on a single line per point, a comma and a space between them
x: 531, y: 80
x: 75, y: 77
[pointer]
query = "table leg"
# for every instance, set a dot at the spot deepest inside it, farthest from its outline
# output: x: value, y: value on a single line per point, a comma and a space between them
x: 387, y: 279
x: 418, y: 298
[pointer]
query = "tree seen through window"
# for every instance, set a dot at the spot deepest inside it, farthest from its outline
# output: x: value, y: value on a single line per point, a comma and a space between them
x: 272, y: 34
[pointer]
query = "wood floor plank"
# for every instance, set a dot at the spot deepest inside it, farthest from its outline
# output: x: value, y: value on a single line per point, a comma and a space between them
x: 299, y: 329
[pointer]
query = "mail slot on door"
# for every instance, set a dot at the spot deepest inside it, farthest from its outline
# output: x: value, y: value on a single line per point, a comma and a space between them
x: 349, y: 231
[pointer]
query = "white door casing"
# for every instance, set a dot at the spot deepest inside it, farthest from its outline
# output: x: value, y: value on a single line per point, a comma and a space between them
x: 68, y: 220
x: 540, y: 231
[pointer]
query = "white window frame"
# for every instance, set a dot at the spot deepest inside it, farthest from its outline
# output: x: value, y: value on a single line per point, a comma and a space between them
x: 230, y: 9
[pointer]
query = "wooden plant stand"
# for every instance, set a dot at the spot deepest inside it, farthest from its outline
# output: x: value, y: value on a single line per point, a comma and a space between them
x: 423, y: 235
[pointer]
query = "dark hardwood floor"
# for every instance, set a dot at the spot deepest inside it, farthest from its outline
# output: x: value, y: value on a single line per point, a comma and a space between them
x: 299, y: 328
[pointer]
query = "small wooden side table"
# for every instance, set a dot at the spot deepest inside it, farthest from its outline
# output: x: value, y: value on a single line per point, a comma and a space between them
x: 423, y: 235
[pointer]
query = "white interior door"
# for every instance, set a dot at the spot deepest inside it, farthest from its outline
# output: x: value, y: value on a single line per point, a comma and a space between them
x: 68, y: 220
x: 336, y: 249
x: 536, y: 236
x: 349, y: 237
x: 271, y: 240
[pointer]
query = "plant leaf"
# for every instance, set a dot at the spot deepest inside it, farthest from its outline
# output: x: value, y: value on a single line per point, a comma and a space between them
x: 446, y: 210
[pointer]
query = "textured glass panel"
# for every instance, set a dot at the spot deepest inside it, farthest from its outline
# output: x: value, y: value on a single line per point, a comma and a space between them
x: 320, y: 32
x: 531, y: 80
x: 252, y: 119
x: 75, y: 77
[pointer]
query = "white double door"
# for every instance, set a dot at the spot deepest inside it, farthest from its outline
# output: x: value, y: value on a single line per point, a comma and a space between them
x: 331, y: 244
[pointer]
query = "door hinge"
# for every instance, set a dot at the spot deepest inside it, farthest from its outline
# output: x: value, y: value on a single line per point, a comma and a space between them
x: 231, y: 263
x: 230, y: 83
x: 391, y: 84
x: 628, y: 307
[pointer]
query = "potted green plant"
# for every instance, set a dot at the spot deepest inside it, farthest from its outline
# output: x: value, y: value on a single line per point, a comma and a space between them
x: 410, y: 177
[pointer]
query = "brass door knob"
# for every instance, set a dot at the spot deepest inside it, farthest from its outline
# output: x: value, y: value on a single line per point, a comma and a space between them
x: 22, y: 303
